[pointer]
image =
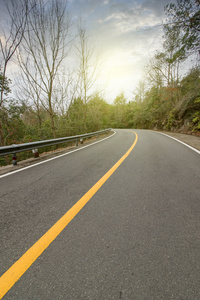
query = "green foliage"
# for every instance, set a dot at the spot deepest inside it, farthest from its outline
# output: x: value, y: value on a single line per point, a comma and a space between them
x: 189, y: 102
x: 196, y: 121
x: 171, y: 120
x: 13, y: 126
x: 120, y: 112
x: 190, y: 82
x: 75, y: 116
x: 167, y: 107
x: 98, y: 113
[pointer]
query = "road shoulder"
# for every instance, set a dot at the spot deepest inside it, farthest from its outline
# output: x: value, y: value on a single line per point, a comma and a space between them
x: 191, y: 140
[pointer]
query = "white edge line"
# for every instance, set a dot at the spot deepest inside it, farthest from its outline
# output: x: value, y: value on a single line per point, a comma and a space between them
x: 171, y: 137
x: 44, y: 161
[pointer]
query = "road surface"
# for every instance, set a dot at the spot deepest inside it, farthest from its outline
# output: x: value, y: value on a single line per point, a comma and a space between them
x: 136, y: 236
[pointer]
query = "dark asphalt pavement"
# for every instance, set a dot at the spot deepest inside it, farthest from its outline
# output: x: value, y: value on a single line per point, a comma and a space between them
x: 137, y: 238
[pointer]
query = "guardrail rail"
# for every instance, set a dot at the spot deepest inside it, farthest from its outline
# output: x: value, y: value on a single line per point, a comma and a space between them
x: 14, y: 149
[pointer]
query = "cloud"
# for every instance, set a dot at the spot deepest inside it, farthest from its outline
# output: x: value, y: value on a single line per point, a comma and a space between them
x: 123, y: 15
x: 157, y: 7
x: 126, y: 34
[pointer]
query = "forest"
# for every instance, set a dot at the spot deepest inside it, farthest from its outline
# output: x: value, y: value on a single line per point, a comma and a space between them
x: 51, y: 102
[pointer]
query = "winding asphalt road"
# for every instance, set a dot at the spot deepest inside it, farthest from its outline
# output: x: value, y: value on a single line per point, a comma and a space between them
x: 138, y: 237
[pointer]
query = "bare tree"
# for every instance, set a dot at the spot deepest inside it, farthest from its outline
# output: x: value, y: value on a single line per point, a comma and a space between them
x: 88, y: 68
x: 29, y: 94
x: 165, y: 66
x: 11, y: 37
x: 44, y: 49
x: 65, y: 92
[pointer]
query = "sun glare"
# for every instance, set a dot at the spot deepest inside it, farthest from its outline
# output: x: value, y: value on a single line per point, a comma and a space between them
x: 118, y: 73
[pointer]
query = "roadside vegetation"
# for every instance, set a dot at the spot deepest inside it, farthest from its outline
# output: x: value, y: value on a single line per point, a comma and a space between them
x: 51, y: 102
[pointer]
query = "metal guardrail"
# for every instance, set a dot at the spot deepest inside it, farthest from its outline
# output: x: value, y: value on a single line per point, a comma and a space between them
x: 13, y: 149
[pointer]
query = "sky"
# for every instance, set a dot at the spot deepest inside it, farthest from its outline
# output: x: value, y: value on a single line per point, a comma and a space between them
x: 125, y: 33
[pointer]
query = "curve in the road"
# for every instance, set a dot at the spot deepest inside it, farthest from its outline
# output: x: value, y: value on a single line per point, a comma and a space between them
x: 12, y: 275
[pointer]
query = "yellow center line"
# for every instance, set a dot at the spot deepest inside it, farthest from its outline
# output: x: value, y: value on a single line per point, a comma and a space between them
x: 12, y: 275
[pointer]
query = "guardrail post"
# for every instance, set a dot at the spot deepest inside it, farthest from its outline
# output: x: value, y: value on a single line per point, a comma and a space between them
x: 14, y: 159
x: 76, y: 142
x: 35, y: 153
x: 97, y: 136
